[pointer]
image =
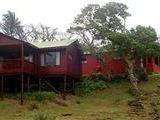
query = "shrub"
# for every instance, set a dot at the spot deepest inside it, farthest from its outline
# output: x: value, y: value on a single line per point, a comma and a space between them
x: 141, y: 74
x: 40, y: 96
x: 61, y: 103
x: 133, y: 92
x: 12, y: 96
x: 119, y: 79
x: 90, y: 84
x: 33, y: 106
x: 34, y: 96
x: 43, y: 116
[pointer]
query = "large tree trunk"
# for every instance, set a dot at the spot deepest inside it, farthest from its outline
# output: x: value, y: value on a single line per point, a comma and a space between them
x: 133, y: 79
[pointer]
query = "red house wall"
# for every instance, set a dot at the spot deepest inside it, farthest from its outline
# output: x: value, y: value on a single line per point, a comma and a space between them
x: 6, y: 40
x: 114, y: 66
x: 152, y: 66
x: 48, y: 71
x: 109, y: 66
x: 70, y: 63
x: 91, y: 66
x: 74, y: 66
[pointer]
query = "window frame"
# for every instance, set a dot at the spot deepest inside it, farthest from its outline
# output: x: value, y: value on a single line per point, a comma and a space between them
x: 45, y: 64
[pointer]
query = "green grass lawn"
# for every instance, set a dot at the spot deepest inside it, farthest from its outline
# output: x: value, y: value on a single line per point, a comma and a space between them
x: 109, y: 104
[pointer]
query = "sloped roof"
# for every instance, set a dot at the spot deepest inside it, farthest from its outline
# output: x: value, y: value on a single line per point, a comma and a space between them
x: 51, y: 44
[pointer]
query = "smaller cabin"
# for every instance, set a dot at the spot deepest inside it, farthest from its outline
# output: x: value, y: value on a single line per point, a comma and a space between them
x: 91, y: 65
x: 114, y: 67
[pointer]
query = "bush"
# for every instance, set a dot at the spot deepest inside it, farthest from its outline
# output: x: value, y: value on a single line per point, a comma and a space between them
x: 34, y: 96
x: 43, y: 116
x: 119, y: 79
x: 33, y: 106
x: 40, y: 96
x: 133, y: 92
x: 141, y: 74
x: 90, y: 84
x: 61, y: 103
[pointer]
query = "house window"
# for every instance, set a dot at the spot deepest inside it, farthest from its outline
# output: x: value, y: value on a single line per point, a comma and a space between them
x: 42, y: 59
x: 50, y: 59
x: 29, y: 58
x: 84, y: 60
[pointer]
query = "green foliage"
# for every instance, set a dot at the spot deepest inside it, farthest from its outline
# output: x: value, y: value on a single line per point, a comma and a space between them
x: 33, y: 106
x: 120, y: 79
x: 141, y: 74
x: 90, y: 84
x: 112, y: 16
x: 61, y: 103
x: 40, y: 96
x: 34, y: 96
x: 43, y: 116
x: 12, y: 96
x: 11, y: 25
x: 95, y: 21
x: 131, y: 91
x: 139, y: 42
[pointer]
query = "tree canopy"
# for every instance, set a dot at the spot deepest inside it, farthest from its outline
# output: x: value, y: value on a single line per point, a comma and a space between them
x: 111, y: 16
x: 12, y: 26
x: 42, y: 33
x: 136, y: 43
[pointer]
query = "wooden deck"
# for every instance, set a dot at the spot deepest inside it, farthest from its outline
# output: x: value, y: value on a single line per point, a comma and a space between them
x: 12, y: 66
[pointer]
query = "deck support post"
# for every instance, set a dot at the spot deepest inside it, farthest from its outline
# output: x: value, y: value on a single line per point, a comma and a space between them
x: 40, y: 83
x: 64, y: 87
x: 28, y: 83
x: 22, y: 72
x: 73, y: 85
x: 22, y: 88
x: 2, y: 82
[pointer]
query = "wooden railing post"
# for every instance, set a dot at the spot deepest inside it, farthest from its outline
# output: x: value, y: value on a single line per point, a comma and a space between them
x: 22, y: 58
x: 40, y: 84
x: 2, y: 83
x: 22, y: 80
x: 28, y: 83
x: 64, y: 87
x: 22, y: 70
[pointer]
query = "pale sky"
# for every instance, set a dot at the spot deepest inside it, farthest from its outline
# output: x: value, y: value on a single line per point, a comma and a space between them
x: 60, y: 13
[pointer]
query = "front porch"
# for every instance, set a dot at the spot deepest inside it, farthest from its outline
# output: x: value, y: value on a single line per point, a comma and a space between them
x: 16, y: 59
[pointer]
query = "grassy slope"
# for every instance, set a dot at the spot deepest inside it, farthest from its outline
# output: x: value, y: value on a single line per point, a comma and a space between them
x: 110, y: 104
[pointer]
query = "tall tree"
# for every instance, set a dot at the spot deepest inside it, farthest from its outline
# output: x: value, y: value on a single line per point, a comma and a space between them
x: 42, y: 33
x: 144, y: 35
x: 111, y: 16
x: 82, y: 26
x: 12, y: 26
x: 133, y: 44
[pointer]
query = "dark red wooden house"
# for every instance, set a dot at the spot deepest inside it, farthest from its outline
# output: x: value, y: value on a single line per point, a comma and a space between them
x: 22, y: 64
x: 114, y: 67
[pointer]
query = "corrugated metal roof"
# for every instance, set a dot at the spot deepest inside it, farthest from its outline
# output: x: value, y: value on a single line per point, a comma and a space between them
x: 50, y: 44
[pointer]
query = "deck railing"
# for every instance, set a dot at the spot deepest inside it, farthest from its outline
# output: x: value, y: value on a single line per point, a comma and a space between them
x: 14, y: 65
x: 9, y: 65
x: 29, y: 67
